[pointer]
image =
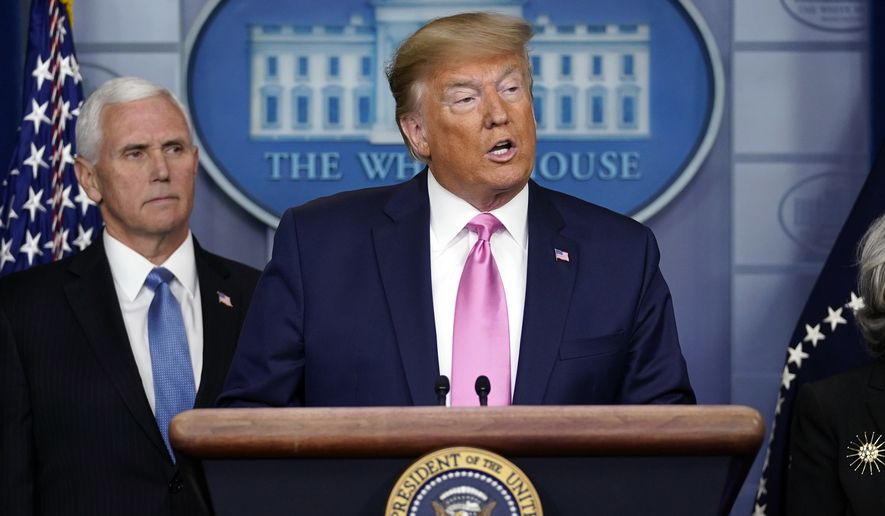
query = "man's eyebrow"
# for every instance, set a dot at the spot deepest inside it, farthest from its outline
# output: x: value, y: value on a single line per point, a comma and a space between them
x: 143, y: 146
x: 133, y: 147
x: 464, y: 83
x: 174, y: 141
x: 470, y: 83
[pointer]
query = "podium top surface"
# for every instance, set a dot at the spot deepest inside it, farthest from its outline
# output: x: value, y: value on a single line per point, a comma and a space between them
x: 516, y: 430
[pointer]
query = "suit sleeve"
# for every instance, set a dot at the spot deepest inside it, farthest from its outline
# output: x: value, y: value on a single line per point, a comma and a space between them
x: 813, y: 486
x: 268, y: 366
x: 656, y: 370
x: 16, y: 436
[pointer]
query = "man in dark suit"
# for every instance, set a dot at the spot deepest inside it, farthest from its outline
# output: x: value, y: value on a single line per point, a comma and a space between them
x: 91, y: 366
x: 362, y: 303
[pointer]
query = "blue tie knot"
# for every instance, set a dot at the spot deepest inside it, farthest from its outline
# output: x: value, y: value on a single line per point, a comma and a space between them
x: 157, y: 277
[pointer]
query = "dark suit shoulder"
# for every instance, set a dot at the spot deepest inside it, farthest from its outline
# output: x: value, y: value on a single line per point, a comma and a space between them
x: 36, y: 281
x: 350, y: 204
x: 835, y: 390
x: 584, y: 219
x: 226, y: 266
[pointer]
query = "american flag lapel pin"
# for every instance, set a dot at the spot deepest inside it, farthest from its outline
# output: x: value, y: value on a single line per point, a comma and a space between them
x: 224, y: 299
x: 560, y: 255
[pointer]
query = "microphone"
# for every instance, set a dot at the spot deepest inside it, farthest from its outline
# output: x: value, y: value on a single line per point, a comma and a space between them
x: 483, y: 388
x: 442, y: 389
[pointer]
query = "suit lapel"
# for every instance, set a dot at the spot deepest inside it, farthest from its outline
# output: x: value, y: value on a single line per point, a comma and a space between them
x: 402, y: 247
x: 93, y: 299
x: 220, y: 328
x: 549, y: 284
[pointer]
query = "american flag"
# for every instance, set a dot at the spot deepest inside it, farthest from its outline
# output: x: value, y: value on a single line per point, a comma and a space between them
x: 826, y: 340
x: 44, y: 215
x: 560, y: 255
x: 225, y: 299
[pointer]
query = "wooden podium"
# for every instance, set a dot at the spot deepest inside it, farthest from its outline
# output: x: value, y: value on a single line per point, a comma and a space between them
x: 584, y: 460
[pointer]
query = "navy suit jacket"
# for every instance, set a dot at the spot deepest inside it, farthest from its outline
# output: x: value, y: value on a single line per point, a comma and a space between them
x: 77, y: 435
x: 343, y: 314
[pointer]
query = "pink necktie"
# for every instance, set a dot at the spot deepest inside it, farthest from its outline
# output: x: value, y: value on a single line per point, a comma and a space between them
x: 481, y: 342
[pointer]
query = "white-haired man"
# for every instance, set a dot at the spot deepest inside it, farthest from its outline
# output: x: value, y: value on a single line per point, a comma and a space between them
x: 100, y: 350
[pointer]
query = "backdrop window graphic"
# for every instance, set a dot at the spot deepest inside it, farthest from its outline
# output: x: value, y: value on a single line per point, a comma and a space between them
x: 290, y: 101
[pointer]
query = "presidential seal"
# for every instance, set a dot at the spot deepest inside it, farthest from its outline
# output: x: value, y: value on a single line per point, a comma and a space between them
x: 463, y: 481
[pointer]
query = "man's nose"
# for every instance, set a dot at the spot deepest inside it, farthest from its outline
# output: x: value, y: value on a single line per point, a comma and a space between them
x: 160, y: 165
x: 495, y: 111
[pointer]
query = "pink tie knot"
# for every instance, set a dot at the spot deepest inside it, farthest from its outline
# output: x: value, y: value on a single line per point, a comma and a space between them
x: 484, y: 225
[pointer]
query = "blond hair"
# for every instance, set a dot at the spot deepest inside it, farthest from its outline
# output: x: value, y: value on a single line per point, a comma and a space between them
x: 462, y: 36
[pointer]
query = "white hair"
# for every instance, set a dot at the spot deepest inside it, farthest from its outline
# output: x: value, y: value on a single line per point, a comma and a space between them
x: 114, y: 91
x: 871, y: 285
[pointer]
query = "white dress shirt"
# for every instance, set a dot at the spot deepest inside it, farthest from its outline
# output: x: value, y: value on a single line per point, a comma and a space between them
x: 129, y: 270
x: 450, y: 243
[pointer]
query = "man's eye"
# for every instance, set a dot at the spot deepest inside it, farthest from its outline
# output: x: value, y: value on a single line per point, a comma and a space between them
x: 174, y: 149
x: 465, y: 100
x: 134, y: 154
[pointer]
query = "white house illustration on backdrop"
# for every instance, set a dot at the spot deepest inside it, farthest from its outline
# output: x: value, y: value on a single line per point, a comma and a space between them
x: 327, y: 82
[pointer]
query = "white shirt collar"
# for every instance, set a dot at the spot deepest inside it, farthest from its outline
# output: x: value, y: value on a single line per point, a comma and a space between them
x: 449, y: 214
x: 129, y: 269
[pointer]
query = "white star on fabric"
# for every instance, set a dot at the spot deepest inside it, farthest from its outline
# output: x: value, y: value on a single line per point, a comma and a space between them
x: 767, y: 457
x: 786, y: 378
x: 65, y: 115
x: 834, y: 318
x: 41, y: 72
x: 35, y: 160
x: 797, y: 355
x: 32, y: 246
x: 67, y: 158
x: 65, y: 248
x: 11, y: 213
x: 84, y: 238
x: 75, y: 69
x: 5, y: 254
x: 856, y: 303
x: 38, y: 114
x: 62, y: 31
x: 65, y: 199
x: 83, y: 200
x: 813, y: 334
x: 14, y: 172
x: 34, y: 204
x: 759, y: 510
x: 780, y: 403
x: 67, y: 67
x: 761, y: 491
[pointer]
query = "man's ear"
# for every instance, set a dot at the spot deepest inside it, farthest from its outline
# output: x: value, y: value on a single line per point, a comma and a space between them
x: 412, y: 126
x: 87, y: 178
x: 196, y: 160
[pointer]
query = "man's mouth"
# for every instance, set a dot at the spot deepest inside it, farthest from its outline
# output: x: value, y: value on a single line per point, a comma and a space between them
x: 503, y: 150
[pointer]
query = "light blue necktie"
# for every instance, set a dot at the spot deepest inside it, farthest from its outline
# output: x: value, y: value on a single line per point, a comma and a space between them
x: 170, y: 358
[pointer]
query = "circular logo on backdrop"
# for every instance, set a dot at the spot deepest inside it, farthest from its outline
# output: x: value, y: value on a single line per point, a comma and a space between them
x: 811, y: 213
x: 839, y: 16
x: 290, y: 101
x: 463, y: 481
